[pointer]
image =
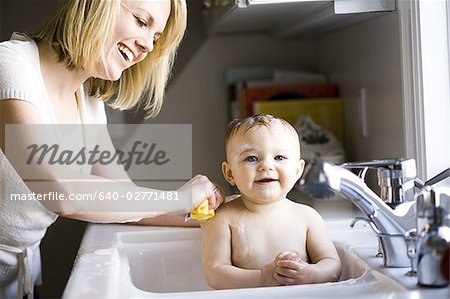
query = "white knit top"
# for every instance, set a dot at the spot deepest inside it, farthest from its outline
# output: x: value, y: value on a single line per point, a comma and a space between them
x: 24, y: 224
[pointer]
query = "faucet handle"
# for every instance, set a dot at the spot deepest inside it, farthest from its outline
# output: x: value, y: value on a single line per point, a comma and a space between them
x: 431, y: 196
x: 429, y: 199
x: 439, y: 177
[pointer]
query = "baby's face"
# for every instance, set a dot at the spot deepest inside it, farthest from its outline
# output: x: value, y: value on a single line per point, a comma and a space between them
x: 264, y: 163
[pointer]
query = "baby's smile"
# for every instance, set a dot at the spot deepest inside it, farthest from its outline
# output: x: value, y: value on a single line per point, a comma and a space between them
x: 266, y: 180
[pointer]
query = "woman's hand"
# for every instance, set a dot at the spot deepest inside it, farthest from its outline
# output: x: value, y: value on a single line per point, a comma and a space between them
x: 200, y: 188
x: 220, y: 196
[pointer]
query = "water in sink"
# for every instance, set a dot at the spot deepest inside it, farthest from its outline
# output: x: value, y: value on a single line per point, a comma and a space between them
x: 168, y: 261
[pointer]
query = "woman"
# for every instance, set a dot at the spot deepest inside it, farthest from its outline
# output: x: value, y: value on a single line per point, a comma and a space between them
x: 91, y: 51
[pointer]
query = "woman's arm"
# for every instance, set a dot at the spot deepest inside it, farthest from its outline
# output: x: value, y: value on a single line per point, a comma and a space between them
x: 123, y: 209
x: 113, y: 170
x: 172, y: 219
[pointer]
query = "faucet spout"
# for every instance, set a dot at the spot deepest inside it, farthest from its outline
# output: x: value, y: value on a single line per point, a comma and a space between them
x: 323, y: 180
x: 386, y: 219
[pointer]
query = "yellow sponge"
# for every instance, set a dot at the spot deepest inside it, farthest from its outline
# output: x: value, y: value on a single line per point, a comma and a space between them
x: 202, y: 212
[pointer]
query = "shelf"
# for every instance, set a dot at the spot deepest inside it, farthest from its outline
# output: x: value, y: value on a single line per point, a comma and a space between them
x: 296, y: 20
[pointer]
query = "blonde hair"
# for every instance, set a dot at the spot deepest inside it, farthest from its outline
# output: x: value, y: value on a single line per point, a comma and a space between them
x: 255, y: 121
x: 81, y: 28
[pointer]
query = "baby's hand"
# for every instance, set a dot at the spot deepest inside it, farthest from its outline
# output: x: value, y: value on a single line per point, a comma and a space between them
x: 268, y: 273
x: 291, y: 269
x: 288, y: 255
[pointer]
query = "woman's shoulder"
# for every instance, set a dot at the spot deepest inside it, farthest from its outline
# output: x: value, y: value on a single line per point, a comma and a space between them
x: 20, y: 48
x: 19, y: 70
x: 19, y: 60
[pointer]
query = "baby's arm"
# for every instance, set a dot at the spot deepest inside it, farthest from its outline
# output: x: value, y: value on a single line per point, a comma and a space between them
x: 216, y: 260
x: 325, y: 264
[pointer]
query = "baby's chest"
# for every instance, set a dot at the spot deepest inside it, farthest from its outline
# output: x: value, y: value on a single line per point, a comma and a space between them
x: 257, y: 243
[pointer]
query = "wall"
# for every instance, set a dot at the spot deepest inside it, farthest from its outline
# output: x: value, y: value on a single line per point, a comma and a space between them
x: 24, y: 15
x: 198, y: 96
x: 368, y: 56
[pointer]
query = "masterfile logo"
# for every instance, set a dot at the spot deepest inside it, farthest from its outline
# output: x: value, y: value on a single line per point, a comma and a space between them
x: 146, y: 152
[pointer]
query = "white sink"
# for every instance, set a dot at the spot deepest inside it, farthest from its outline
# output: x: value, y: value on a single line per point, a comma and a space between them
x: 166, y: 263
x: 129, y: 261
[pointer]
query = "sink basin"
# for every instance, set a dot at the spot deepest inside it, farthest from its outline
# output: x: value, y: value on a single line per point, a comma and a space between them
x: 166, y: 263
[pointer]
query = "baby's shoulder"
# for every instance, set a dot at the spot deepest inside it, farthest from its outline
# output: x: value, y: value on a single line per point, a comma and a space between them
x: 229, y: 210
x: 231, y: 207
x: 305, y: 210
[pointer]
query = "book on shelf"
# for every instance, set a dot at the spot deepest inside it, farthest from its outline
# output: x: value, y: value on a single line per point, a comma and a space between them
x: 246, y: 95
x: 327, y: 112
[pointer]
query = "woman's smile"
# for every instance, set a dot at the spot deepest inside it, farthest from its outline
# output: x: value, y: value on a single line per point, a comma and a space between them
x: 125, y: 53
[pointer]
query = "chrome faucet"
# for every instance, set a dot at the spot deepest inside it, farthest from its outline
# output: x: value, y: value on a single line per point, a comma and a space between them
x: 397, y: 178
x: 323, y: 180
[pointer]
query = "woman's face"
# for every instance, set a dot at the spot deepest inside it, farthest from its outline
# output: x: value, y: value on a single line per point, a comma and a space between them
x: 140, y: 24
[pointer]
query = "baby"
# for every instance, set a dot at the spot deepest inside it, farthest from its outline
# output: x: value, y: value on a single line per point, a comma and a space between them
x: 262, y: 238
